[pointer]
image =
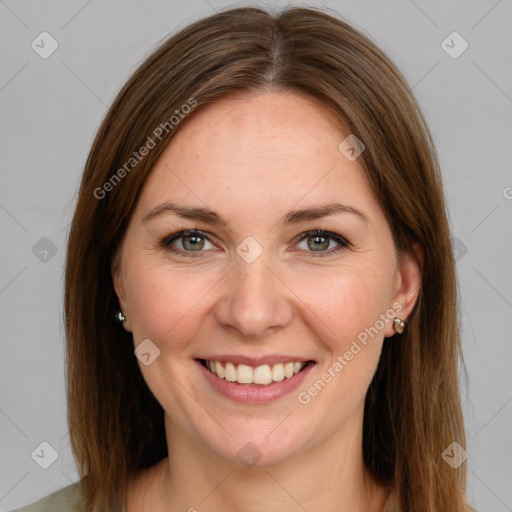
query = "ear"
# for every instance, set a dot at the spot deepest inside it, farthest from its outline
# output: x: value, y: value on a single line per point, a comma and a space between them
x: 406, y: 286
x: 117, y: 280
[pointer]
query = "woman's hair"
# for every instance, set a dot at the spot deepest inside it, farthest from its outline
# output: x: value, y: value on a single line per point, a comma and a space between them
x: 412, y: 409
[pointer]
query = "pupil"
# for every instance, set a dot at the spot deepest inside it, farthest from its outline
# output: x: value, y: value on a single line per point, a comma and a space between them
x: 319, y: 245
x: 194, y: 241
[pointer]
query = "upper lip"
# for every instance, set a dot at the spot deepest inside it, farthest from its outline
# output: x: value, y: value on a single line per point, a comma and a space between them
x: 256, y: 361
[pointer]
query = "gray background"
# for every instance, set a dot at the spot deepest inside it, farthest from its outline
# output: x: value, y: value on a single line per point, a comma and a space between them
x: 51, y: 108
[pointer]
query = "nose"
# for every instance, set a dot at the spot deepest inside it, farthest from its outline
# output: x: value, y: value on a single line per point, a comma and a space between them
x: 256, y: 299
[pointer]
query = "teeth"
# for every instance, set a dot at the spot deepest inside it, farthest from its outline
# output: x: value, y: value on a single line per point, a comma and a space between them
x: 244, y: 374
x: 262, y: 375
x: 230, y: 372
x: 218, y: 369
x: 277, y: 373
x: 297, y: 367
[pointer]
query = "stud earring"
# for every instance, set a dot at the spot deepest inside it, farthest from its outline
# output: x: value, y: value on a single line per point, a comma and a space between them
x: 399, y: 325
x: 120, y: 317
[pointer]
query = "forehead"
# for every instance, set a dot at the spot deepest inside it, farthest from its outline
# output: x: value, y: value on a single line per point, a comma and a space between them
x: 253, y: 151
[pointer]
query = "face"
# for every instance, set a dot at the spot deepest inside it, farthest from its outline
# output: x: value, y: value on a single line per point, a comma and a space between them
x: 220, y: 266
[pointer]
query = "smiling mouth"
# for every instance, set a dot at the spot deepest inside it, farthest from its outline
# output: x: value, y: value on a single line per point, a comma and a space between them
x: 262, y: 375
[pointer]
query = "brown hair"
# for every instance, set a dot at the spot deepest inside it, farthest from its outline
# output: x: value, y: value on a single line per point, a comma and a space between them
x: 412, y: 410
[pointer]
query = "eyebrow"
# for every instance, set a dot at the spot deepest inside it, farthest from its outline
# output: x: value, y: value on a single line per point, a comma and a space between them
x: 290, y: 218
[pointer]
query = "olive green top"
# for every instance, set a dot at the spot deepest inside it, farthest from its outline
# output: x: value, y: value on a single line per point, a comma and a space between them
x: 70, y: 499
x: 67, y: 499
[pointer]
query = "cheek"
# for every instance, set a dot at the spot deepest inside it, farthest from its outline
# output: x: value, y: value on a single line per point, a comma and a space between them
x: 349, y: 303
x: 163, y: 303
x: 345, y: 305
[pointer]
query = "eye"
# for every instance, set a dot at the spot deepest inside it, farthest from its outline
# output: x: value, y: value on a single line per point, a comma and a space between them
x: 191, y: 241
x: 319, y: 241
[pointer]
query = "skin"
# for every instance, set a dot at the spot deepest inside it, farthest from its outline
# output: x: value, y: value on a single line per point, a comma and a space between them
x: 252, y: 158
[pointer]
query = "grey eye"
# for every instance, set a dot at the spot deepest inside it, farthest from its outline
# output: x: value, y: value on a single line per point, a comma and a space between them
x: 192, y: 242
x: 317, y: 243
x: 187, y: 241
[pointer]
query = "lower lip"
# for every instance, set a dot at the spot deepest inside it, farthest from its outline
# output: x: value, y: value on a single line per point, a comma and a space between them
x: 251, y: 393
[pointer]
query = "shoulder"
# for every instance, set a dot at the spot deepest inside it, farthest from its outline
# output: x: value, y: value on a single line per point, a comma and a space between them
x: 67, y: 499
x: 391, y: 504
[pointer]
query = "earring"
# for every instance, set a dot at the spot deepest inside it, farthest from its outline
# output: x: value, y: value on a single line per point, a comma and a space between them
x: 120, y: 317
x: 399, y: 325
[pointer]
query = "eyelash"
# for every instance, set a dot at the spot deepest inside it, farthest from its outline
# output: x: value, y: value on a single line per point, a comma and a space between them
x: 169, y: 239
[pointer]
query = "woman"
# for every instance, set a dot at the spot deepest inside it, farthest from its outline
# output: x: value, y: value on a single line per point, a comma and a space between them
x: 260, y: 296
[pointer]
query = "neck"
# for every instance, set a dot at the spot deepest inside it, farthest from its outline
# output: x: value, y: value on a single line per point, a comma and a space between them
x: 327, y: 477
